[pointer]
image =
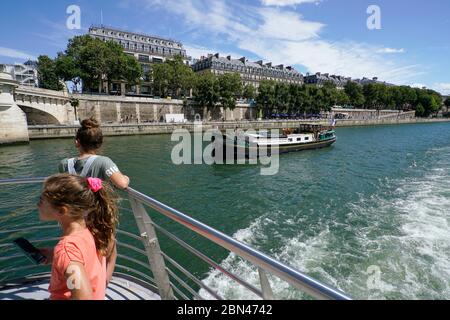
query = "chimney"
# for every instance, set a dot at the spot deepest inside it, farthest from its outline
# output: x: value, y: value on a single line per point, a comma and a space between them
x: 269, y: 64
x: 280, y: 66
x: 229, y: 58
x: 260, y: 62
x: 217, y: 55
x: 242, y: 59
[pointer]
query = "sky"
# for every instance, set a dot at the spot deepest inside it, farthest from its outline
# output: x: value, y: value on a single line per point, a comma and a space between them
x: 410, y: 46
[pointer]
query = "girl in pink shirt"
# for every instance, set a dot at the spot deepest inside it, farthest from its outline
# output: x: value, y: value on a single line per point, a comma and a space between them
x: 87, y: 212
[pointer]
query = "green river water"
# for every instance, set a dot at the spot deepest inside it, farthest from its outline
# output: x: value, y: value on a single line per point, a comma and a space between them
x: 378, y: 199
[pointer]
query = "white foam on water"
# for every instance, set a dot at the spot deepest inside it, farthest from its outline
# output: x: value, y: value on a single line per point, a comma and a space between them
x: 403, y: 229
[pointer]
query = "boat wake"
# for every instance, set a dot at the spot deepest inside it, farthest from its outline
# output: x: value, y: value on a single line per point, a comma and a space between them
x: 401, y: 231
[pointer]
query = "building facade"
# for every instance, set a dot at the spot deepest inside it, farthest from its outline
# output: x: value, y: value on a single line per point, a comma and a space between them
x: 25, y: 74
x: 145, y: 48
x: 374, y: 80
x: 252, y: 73
x: 319, y: 79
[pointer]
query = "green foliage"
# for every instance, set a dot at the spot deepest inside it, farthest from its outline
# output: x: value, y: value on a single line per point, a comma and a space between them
x: 265, y: 100
x: 355, y: 94
x: 162, y: 75
x: 249, y: 92
x: 90, y: 60
x: 230, y: 88
x: 447, y: 102
x: 172, y: 77
x: 67, y: 70
x: 420, y: 110
x: 206, y: 91
x: 182, y: 76
x: 47, y: 75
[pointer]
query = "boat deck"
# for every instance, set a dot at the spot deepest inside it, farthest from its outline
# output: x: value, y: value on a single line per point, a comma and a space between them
x: 121, y: 287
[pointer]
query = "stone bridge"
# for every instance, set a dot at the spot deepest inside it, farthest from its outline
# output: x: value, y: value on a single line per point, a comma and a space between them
x: 44, y: 107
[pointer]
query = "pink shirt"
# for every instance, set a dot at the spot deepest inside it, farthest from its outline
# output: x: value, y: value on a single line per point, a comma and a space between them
x: 78, y: 247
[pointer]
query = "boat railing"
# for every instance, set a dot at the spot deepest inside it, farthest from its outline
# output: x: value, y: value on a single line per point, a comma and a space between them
x: 140, y: 255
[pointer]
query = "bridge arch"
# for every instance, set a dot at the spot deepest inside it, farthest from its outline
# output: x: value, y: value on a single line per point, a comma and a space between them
x: 45, y: 107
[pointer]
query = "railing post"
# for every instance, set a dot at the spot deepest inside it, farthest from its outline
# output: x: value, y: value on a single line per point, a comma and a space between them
x: 265, y: 285
x: 153, y: 249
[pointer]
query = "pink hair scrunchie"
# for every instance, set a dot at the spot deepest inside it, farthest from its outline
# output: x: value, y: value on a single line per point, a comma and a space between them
x: 95, y: 184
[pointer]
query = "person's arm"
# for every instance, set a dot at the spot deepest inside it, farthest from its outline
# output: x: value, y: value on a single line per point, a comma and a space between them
x: 119, y: 180
x: 113, y: 173
x: 111, y: 263
x: 78, y: 282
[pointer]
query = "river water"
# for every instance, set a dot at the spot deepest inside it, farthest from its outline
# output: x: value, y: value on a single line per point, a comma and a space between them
x: 369, y: 215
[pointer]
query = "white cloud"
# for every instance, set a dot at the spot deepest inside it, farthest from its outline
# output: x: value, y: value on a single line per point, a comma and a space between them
x: 282, y: 3
x: 391, y: 50
x: 285, y: 37
x: 198, y: 51
x: 13, y: 53
x: 443, y: 88
x: 287, y: 26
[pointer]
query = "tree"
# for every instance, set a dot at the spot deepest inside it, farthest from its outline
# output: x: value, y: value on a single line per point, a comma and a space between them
x: 265, y: 100
x: 162, y: 75
x: 182, y: 76
x: 230, y: 87
x: 420, y: 110
x: 355, y: 94
x: 342, y: 98
x: 281, y: 97
x: 206, y: 91
x: 447, y: 102
x: 330, y: 95
x: 47, y: 76
x: 67, y: 70
x: 249, y: 92
x: 92, y: 61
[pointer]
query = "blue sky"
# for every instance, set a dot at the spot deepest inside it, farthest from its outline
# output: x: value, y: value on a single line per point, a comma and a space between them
x: 330, y: 36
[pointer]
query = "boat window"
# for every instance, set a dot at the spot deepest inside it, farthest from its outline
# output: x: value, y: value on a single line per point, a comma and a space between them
x: 299, y: 139
x: 306, y: 138
x: 290, y: 139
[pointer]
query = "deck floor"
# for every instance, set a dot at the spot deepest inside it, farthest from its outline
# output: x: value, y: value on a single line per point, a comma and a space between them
x: 120, y: 288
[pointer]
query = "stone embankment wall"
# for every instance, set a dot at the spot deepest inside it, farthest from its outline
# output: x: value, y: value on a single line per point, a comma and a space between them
x: 45, y: 132
x: 133, y: 110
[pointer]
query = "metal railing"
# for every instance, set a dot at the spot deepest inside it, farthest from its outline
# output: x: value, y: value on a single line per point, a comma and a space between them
x: 169, y: 283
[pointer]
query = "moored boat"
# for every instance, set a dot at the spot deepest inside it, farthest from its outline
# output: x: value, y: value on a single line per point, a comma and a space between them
x: 305, y: 137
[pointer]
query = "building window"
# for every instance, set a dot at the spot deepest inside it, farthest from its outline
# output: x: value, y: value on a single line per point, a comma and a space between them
x: 143, y: 58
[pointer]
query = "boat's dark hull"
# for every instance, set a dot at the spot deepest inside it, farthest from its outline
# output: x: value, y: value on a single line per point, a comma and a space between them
x: 252, y: 151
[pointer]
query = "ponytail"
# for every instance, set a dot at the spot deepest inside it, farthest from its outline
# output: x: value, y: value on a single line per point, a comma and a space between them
x: 89, y: 199
x: 103, y: 219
